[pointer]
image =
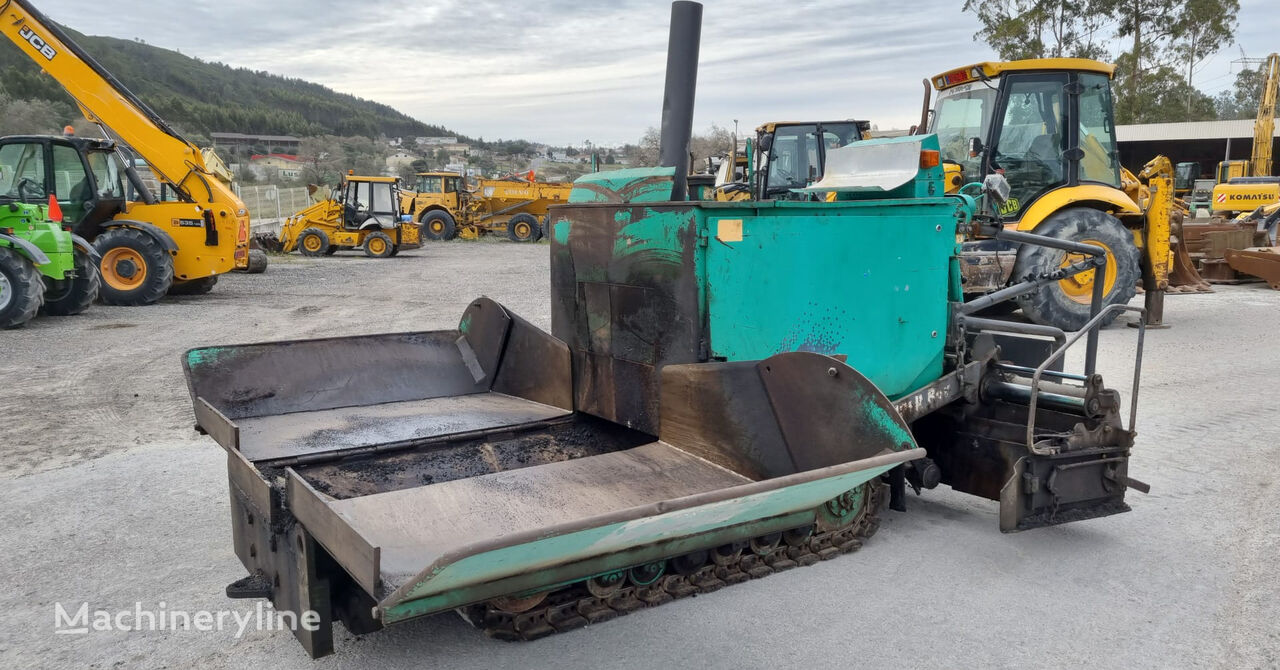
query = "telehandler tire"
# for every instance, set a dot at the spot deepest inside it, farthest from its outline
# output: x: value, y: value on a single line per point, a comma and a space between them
x: 21, y: 289
x: 258, y: 262
x: 438, y: 225
x: 136, y: 269
x: 73, y: 296
x: 193, y: 287
x: 524, y: 228
x: 1065, y: 304
x: 378, y: 245
x: 314, y: 242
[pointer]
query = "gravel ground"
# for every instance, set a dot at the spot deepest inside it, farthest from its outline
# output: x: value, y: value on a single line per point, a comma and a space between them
x: 110, y: 497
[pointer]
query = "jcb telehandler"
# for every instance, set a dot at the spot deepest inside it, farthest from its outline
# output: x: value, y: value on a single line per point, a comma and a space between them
x: 149, y: 246
x: 729, y: 389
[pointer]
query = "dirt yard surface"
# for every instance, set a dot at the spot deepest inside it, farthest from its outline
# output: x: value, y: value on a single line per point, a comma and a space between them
x: 110, y: 497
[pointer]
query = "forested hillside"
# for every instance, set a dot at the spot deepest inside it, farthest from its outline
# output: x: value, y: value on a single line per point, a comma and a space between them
x: 199, y: 97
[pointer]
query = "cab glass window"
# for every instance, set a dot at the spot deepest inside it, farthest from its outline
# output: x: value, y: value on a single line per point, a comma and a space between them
x: 381, y: 203
x: 107, y: 173
x: 429, y: 184
x: 22, y: 172
x: 793, y: 158
x: 960, y: 117
x: 71, y: 184
x: 1101, y: 161
x: 1030, y: 146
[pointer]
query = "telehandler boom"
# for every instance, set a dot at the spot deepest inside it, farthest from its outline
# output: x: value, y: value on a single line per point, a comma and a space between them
x: 149, y: 247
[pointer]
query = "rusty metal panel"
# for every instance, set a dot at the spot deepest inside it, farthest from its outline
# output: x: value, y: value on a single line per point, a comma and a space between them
x: 215, y: 425
x: 627, y: 298
x: 828, y: 412
x: 271, y: 438
x: 721, y: 412
x: 282, y: 377
x: 535, y: 366
x: 342, y: 539
x: 484, y: 328
x: 1263, y: 263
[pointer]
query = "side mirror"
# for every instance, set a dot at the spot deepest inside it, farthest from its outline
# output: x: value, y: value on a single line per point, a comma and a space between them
x: 996, y: 187
x: 975, y: 147
x: 766, y: 142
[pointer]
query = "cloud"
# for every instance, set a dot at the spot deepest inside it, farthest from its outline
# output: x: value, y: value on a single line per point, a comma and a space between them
x: 566, y: 71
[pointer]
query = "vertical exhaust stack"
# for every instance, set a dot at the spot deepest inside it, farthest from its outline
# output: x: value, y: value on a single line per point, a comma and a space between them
x: 677, y: 98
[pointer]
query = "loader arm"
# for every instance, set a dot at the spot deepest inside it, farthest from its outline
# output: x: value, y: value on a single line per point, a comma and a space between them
x: 106, y: 101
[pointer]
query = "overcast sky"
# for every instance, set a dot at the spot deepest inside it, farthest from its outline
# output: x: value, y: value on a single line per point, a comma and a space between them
x: 565, y: 71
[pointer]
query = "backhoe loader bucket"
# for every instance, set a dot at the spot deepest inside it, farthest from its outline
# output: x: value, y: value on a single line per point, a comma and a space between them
x: 448, y: 470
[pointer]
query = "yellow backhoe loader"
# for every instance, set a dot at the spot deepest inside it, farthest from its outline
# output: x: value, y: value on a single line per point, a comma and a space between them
x: 1047, y: 126
x: 361, y: 213
x: 150, y: 246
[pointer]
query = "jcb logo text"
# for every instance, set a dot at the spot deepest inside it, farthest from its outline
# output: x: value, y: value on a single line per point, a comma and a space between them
x: 38, y: 42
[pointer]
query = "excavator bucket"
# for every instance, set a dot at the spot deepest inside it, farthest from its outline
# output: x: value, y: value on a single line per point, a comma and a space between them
x: 448, y: 470
x: 1261, y: 262
x: 1184, y: 278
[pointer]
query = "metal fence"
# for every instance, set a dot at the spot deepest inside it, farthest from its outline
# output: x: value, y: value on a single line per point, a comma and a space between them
x: 269, y: 204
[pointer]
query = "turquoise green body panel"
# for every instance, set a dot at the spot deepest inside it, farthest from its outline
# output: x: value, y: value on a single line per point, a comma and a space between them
x: 630, y: 185
x: 869, y: 280
x: 31, y: 223
x: 451, y: 585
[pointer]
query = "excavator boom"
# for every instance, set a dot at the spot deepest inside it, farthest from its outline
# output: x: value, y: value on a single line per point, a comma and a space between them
x: 1265, y: 125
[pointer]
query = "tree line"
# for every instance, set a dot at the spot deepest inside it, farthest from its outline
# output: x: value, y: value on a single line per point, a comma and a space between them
x: 1158, y: 48
x: 202, y: 98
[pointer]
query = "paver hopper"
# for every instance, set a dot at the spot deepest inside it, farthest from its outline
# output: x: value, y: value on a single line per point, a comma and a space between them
x: 728, y: 390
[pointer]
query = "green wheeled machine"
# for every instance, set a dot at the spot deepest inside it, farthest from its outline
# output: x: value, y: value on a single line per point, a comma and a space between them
x: 728, y: 390
x: 44, y: 268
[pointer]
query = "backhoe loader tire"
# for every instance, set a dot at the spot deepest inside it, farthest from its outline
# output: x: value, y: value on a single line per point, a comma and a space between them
x: 21, y: 289
x: 258, y: 262
x: 332, y: 250
x: 438, y: 225
x: 318, y: 245
x: 73, y: 296
x: 136, y: 269
x: 378, y: 245
x: 523, y: 228
x: 1065, y: 304
x: 193, y: 287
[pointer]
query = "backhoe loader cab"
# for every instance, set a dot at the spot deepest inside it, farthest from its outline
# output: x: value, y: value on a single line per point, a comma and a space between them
x: 791, y: 155
x: 1047, y: 125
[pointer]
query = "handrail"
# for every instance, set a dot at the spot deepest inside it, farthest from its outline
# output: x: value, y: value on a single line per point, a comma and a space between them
x: 1093, y: 325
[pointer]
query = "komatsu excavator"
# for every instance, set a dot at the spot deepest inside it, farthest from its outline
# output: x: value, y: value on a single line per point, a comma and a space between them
x: 149, y: 246
x: 1243, y: 186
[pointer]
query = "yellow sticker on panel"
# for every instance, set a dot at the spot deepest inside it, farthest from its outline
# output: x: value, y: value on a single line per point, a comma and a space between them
x: 729, y: 230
